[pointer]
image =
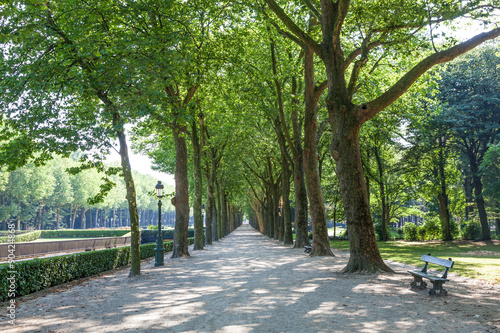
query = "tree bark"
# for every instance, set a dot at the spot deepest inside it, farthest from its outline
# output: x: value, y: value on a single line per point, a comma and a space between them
x: 135, y: 254
x: 478, y: 195
x: 381, y: 183
x: 444, y: 213
x: 320, y: 244
x: 198, y: 188
x: 181, y: 198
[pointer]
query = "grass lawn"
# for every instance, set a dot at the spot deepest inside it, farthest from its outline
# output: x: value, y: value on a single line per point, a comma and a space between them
x: 472, y: 259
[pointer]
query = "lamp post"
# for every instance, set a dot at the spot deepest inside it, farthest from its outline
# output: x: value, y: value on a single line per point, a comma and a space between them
x: 204, y: 226
x: 159, y: 252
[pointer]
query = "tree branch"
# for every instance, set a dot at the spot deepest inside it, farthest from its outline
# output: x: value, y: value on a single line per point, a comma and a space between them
x: 371, y: 109
x: 295, y: 29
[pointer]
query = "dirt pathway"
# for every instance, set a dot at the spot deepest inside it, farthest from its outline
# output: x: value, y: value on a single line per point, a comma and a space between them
x: 249, y: 283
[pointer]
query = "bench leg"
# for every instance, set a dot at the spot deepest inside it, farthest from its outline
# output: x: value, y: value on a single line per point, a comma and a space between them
x: 437, y: 289
x: 418, y: 283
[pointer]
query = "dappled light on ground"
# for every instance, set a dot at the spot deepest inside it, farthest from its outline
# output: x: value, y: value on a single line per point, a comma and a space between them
x: 249, y: 283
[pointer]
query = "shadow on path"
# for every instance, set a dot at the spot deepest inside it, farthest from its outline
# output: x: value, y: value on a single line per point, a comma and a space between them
x: 250, y: 283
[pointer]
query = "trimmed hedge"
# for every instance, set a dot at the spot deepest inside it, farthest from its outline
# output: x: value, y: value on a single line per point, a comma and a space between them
x: 27, y: 237
x: 83, y: 233
x: 37, y: 274
x: 167, y: 234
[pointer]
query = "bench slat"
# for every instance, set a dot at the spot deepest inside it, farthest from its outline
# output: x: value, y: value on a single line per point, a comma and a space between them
x: 437, y: 261
x: 428, y: 276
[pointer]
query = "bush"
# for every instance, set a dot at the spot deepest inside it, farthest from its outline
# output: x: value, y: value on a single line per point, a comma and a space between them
x: 27, y: 237
x: 431, y: 228
x: 379, y: 230
x: 37, y: 274
x: 83, y: 233
x: 410, y: 232
x: 169, y: 233
x: 471, y: 230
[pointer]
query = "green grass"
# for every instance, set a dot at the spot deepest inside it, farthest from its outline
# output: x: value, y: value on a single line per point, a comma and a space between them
x: 468, y: 261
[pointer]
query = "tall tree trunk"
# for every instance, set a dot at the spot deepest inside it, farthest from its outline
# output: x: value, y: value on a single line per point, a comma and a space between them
x: 181, y: 198
x: 84, y: 218
x: 443, y: 196
x: 321, y: 244
x: 478, y: 194
x: 364, y: 253
x: 96, y: 219
x: 198, y: 187
x: 299, y: 184
x: 381, y: 183
x: 135, y: 255
x: 218, y: 202
x: 224, y: 212
x: 72, y: 225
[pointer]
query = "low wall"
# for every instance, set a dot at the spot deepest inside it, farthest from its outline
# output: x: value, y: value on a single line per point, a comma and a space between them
x: 33, y: 248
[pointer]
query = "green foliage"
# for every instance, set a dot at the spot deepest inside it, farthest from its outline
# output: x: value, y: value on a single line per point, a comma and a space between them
x: 82, y: 233
x: 27, y: 237
x: 379, y: 230
x: 471, y: 230
x: 432, y: 228
x: 410, y: 232
x: 166, y: 234
x: 37, y: 274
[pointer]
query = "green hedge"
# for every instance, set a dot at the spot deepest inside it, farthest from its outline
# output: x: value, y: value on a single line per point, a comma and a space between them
x: 83, y: 233
x: 167, y: 234
x: 37, y: 274
x: 27, y: 237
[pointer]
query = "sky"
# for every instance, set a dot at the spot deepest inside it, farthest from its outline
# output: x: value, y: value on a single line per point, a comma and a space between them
x: 142, y: 164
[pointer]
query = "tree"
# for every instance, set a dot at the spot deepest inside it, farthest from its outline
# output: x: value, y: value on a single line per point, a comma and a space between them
x: 351, y: 32
x: 472, y: 103
x: 67, y: 79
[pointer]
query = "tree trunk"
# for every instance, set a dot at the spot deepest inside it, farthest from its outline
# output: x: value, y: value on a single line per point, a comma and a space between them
x: 321, y: 244
x: 198, y: 188
x: 96, y: 219
x: 181, y: 199
x: 364, y: 253
x: 381, y: 182
x: 223, y: 212
x: 135, y: 255
x: 58, y: 216
x: 84, y: 218
x: 469, y: 198
x: 478, y: 194
x: 72, y: 225
x: 218, y: 201
x: 443, y: 196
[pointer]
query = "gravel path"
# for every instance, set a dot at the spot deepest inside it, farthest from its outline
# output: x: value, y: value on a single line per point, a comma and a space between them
x: 249, y: 283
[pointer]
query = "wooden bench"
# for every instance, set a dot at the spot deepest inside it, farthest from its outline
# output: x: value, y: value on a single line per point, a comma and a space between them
x: 437, y: 281
x: 307, y: 248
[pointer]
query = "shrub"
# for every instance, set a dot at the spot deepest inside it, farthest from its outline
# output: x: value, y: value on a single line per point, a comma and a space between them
x: 27, y: 237
x: 471, y: 230
x: 410, y: 232
x: 167, y: 234
x: 83, y: 233
x: 37, y: 274
x: 379, y: 230
x: 431, y: 228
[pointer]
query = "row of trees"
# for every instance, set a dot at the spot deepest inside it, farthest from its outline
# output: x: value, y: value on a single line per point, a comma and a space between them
x: 48, y: 197
x: 254, y: 95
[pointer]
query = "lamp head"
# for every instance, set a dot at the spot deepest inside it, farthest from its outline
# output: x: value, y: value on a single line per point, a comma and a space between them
x: 159, y: 190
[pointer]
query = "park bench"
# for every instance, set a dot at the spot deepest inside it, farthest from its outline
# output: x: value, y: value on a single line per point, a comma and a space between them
x: 307, y: 248
x: 437, y: 281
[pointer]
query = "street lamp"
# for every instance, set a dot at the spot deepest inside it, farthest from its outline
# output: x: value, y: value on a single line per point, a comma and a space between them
x: 204, y: 226
x: 159, y: 252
